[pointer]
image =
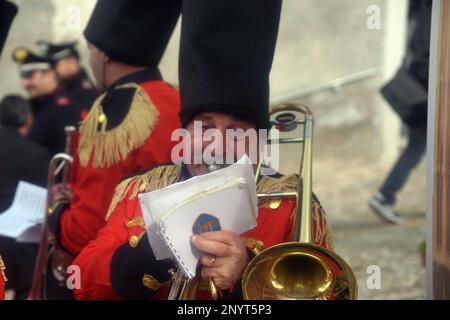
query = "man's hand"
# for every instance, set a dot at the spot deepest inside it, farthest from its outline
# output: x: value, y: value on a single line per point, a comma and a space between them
x: 225, y: 257
x: 61, y: 191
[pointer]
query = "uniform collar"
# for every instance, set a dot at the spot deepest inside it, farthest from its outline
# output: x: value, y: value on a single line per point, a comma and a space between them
x: 138, y: 77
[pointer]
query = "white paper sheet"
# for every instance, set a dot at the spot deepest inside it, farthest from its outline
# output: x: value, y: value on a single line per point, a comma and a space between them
x: 27, y: 211
x: 169, y: 217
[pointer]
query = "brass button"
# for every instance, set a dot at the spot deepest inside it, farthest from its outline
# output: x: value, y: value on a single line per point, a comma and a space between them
x: 150, y: 282
x: 101, y: 118
x: 134, y: 241
x: 274, y: 204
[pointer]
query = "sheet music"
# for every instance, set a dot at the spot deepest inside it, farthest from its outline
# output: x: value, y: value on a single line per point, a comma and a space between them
x: 26, y: 211
x: 169, y: 214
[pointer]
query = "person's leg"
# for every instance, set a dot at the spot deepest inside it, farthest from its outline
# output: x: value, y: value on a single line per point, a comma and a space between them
x: 28, y: 253
x: 408, y: 160
x: 383, y: 201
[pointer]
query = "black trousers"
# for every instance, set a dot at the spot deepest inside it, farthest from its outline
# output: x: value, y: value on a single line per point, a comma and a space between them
x: 407, y: 161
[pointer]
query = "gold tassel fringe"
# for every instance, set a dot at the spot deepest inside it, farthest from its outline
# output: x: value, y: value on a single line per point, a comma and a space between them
x: 269, y: 184
x: 108, y: 147
x: 289, y: 184
x: 155, y: 179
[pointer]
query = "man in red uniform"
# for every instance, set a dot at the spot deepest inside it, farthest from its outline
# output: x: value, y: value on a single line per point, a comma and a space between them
x: 129, y: 126
x: 224, y: 78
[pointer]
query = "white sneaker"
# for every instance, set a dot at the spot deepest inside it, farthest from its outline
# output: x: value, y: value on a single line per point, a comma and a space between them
x: 384, y: 210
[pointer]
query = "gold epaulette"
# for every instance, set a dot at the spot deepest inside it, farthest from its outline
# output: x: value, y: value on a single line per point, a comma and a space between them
x: 269, y: 184
x: 155, y: 179
x: 289, y: 183
x: 108, y: 147
x: 2, y: 270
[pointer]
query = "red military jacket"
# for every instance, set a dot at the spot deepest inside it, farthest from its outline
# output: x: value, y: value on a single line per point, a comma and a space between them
x: 2, y: 279
x: 120, y: 264
x: 127, y: 130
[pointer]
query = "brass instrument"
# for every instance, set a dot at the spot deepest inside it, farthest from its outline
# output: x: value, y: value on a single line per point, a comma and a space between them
x: 299, y: 269
x: 183, y: 288
x: 59, y: 166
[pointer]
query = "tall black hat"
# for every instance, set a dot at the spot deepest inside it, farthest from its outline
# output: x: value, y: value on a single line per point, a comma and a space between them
x: 7, y: 13
x: 134, y: 32
x: 58, y: 51
x: 226, y: 54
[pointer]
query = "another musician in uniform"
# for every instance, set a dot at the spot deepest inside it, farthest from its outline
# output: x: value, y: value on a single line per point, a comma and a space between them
x: 129, y: 126
x: 52, y: 107
x: 20, y: 160
x: 224, y: 81
x: 73, y: 77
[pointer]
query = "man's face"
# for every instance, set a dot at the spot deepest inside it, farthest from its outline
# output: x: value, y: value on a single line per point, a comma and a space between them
x: 39, y: 83
x: 67, y: 68
x: 97, y: 61
x: 232, y: 145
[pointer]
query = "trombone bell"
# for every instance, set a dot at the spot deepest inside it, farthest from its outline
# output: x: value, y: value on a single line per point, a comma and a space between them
x: 298, y: 271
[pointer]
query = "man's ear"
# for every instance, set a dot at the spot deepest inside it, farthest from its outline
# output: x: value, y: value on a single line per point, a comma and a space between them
x: 26, y: 127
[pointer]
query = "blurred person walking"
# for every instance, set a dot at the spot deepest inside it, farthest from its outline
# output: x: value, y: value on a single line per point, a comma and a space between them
x: 407, y: 94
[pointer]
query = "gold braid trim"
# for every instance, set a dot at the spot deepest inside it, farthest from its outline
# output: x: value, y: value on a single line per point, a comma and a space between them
x: 253, y: 245
x: 2, y: 270
x: 108, y: 147
x: 119, y: 194
x: 155, y: 179
x: 269, y: 184
x: 135, y: 222
x: 153, y: 284
x: 289, y: 183
x: 322, y: 233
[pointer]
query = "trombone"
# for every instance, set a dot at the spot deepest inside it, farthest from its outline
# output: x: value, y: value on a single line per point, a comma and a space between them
x: 59, y: 164
x: 298, y: 270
